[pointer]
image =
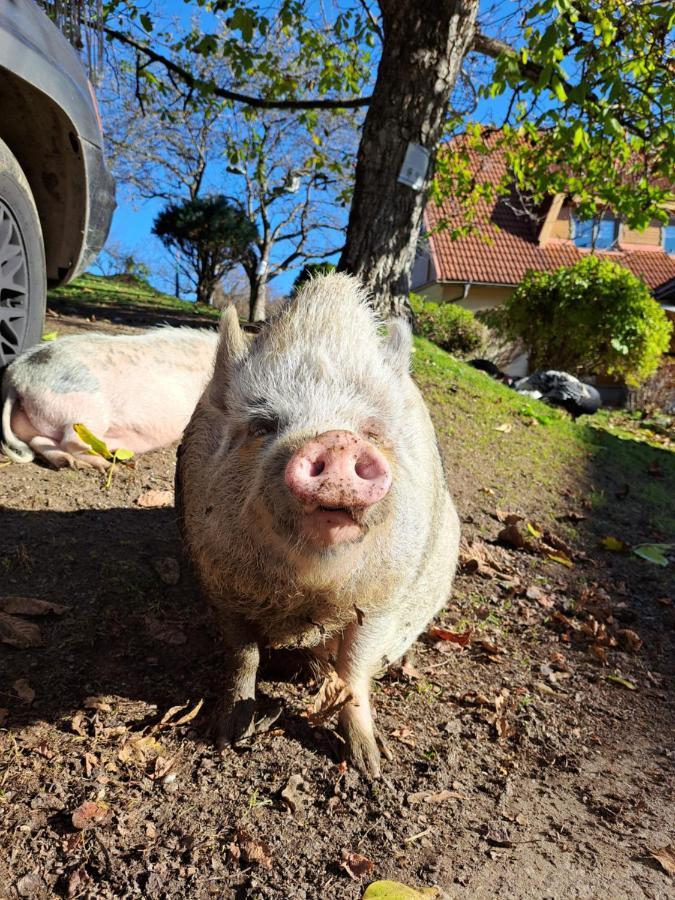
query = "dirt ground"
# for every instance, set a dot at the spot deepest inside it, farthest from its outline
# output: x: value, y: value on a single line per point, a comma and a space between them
x: 533, y: 733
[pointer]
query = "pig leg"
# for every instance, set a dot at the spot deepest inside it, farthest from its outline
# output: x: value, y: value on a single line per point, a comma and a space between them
x: 234, y: 717
x: 74, y: 446
x: 358, y: 660
x: 51, y: 451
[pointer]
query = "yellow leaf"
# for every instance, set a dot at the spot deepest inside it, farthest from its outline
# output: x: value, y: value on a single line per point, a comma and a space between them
x: 50, y: 336
x: 614, y: 544
x: 533, y: 531
x: 563, y: 560
x: 394, y: 890
x: 98, y: 446
x: 623, y: 682
x: 122, y: 454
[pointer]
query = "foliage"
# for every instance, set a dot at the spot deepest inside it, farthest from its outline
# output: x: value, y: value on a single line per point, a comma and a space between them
x: 592, y: 317
x: 311, y: 270
x: 212, y: 236
x: 449, y: 326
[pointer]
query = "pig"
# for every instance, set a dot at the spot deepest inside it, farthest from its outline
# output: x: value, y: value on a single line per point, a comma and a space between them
x: 133, y: 391
x: 313, y: 504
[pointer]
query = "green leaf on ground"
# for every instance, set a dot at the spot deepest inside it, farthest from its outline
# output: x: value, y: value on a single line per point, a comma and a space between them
x: 622, y: 682
x: 654, y: 553
x: 394, y: 890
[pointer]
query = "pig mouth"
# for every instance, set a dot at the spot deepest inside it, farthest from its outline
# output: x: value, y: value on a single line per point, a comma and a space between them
x: 328, y: 526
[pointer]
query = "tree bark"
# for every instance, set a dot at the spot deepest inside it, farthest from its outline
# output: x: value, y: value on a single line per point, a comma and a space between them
x: 424, y: 45
x: 258, y: 298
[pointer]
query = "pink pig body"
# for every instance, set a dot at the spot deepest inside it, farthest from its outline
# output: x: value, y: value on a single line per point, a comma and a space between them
x: 133, y: 391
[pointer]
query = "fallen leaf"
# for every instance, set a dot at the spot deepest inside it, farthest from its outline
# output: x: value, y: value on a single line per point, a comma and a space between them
x: 78, y: 723
x: 161, y: 768
x: 43, y: 749
x: 182, y: 720
x: 533, y: 531
x: 615, y: 545
x: 508, y: 518
x: 600, y: 653
x: 512, y: 536
x: 90, y: 763
x: 622, y: 682
x: 405, y: 736
x: 536, y: 594
x: 168, y: 570
x: 164, y: 631
x: 666, y: 856
x: 559, y: 558
x: 394, y: 890
x: 24, y: 690
x: 138, y: 749
x: 462, y: 638
x: 30, y: 606
x: 506, y: 428
x: 295, y: 794
x: 77, y: 880
x: 654, y: 553
x: 89, y: 814
x: 409, y: 670
x: 630, y: 639
x: 97, y: 703
x: 155, y: 499
x: 475, y: 698
x: 19, y: 633
x: 253, y: 851
x: 355, y: 865
x: 332, y: 696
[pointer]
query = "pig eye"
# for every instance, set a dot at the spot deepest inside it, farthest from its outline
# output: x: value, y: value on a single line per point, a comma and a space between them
x: 263, y: 427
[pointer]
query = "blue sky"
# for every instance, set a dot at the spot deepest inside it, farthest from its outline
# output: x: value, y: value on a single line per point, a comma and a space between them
x: 132, y: 224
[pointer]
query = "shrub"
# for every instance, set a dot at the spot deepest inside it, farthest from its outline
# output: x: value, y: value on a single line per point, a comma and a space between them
x: 454, y: 329
x: 593, y: 317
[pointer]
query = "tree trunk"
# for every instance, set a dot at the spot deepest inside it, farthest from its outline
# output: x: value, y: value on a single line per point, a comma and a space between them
x: 424, y: 45
x: 258, y: 298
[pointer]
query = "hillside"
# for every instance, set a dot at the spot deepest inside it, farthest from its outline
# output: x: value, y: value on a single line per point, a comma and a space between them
x: 531, y: 735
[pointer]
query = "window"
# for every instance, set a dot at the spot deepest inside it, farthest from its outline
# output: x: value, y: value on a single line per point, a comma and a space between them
x: 598, y: 233
x: 669, y: 237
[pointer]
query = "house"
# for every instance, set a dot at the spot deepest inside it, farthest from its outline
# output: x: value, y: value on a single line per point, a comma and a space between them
x: 481, y: 270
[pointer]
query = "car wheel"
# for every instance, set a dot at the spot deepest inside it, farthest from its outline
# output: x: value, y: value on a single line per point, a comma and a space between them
x: 23, y: 279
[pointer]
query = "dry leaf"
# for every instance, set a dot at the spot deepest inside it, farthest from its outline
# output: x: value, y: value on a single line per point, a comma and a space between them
x: 30, y: 606
x: 462, y: 638
x: 252, y: 851
x: 24, y: 690
x: 475, y: 698
x: 507, y: 518
x: 405, y: 736
x: 155, y: 499
x: 43, y: 749
x: 666, y: 856
x: 630, y: 639
x: 90, y: 763
x: 512, y: 536
x: 78, y: 723
x: 409, y: 670
x: 333, y: 695
x: 166, y: 632
x: 89, y: 814
x: 19, y: 633
x: 77, y: 881
x: 182, y: 720
x: 355, y: 865
x: 161, y: 767
x: 295, y: 793
x: 97, y: 703
x: 506, y: 428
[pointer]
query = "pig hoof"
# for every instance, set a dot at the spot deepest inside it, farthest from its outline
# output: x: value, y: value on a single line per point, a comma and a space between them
x: 238, y: 724
x: 362, y: 752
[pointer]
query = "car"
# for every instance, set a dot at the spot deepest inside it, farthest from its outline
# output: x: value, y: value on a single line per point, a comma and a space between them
x: 56, y: 194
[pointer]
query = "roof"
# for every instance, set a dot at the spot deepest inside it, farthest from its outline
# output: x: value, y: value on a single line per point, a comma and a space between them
x: 503, y: 254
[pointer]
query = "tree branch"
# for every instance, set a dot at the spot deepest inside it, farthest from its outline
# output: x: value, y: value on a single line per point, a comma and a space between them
x: 193, y: 81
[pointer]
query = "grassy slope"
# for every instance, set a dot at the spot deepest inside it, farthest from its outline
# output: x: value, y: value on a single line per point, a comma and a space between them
x: 540, y: 456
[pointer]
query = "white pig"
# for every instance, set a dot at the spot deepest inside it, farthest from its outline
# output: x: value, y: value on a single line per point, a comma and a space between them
x: 133, y: 391
x: 313, y: 503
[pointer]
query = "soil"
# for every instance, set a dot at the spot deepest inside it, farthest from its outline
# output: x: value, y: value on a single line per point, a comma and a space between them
x: 532, y: 733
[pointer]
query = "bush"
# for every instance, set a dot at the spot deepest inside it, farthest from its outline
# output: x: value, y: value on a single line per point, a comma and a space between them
x: 454, y: 329
x: 593, y: 317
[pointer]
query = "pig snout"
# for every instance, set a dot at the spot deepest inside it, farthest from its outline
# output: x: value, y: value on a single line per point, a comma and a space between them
x: 338, y: 470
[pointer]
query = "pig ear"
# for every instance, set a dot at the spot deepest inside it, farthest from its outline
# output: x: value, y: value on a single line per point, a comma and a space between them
x: 398, y: 346
x: 232, y: 347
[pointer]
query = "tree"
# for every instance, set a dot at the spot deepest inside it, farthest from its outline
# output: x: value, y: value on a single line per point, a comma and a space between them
x: 590, y: 83
x: 594, y: 317
x: 211, y: 237
x: 311, y: 270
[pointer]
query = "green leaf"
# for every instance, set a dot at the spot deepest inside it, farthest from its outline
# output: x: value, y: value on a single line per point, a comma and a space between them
x: 99, y: 447
x: 615, y: 545
x: 122, y: 454
x: 394, y: 890
x: 654, y: 553
x: 146, y: 21
x: 50, y: 336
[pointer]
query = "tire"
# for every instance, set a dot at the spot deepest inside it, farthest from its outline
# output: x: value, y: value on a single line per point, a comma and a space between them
x: 23, y: 276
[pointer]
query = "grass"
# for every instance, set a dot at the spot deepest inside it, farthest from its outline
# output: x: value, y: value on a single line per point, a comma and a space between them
x: 489, y: 433
x: 92, y: 291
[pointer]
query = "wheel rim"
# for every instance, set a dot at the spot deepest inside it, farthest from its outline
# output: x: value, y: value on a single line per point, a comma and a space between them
x: 14, y: 293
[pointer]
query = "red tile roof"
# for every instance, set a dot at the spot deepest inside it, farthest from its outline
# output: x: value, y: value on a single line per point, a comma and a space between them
x: 502, y: 255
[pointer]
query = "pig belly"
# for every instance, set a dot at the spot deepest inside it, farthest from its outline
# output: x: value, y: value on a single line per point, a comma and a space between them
x: 50, y: 415
x: 142, y: 440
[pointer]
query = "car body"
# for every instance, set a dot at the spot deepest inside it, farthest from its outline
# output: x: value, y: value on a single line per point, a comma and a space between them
x: 49, y: 124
